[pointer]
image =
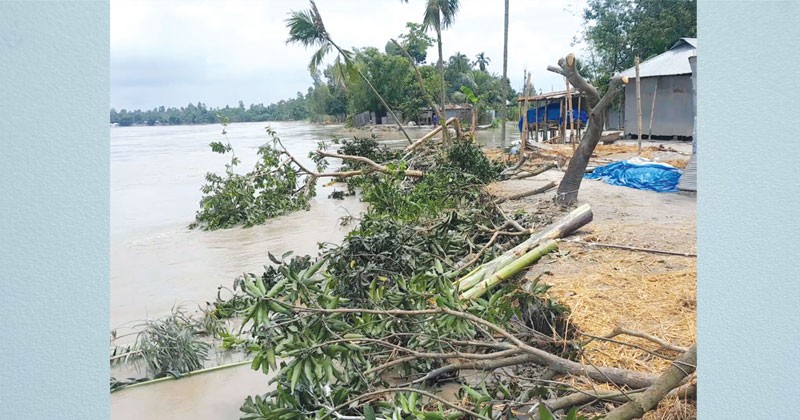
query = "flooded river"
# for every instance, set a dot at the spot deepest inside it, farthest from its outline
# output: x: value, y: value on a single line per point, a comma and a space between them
x: 158, y: 263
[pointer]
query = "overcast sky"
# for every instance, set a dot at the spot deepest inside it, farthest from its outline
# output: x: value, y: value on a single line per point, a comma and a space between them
x: 219, y: 52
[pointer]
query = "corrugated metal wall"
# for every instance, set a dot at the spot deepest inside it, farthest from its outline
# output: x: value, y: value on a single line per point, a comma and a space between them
x: 615, y: 119
x: 673, y: 109
x: 688, y: 180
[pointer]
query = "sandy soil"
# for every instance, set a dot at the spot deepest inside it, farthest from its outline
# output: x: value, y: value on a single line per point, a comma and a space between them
x: 604, y: 287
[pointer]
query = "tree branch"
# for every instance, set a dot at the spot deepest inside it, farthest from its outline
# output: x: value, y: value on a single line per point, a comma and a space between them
x: 649, y: 399
x: 533, y: 355
x: 418, y: 391
x: 380, y: 168
x: 619, y: 330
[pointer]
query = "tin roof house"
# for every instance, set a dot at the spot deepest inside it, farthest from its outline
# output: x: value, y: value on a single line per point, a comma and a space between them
x: 666, y: 94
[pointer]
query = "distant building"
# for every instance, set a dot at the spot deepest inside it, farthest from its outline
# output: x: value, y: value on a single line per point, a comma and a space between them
x: 668, y: 76
x: 463, y: 112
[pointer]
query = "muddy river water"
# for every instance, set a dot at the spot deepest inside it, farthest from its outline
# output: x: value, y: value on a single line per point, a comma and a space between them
x: 158, y: 263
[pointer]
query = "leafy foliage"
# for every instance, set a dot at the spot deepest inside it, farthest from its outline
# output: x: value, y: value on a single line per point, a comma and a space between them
x: 172, y: 345
x: 619, y: 30
x: 269, y: 190
x: 403, y: 255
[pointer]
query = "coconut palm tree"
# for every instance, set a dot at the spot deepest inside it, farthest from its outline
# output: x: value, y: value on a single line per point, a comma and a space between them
x: 306, y: 28
x: 439, y: 15
x: 481, y: 60
x: 504, y: 116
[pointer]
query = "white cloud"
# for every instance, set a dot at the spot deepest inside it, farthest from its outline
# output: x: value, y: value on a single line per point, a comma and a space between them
x: 175, y: 52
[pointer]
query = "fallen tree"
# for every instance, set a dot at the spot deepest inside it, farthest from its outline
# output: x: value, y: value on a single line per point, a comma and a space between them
x: 370, y: 325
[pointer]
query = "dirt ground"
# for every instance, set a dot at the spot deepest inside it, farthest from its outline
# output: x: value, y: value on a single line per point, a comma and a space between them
x: 606, y: 287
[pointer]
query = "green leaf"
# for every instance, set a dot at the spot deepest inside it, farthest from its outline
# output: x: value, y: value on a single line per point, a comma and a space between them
x: 544, y: 413
x: 369, y: 413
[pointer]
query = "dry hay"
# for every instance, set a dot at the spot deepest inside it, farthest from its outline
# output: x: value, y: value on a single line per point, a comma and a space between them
x: 655, y: 153
x: 673, y: 408
x: 636, y: 293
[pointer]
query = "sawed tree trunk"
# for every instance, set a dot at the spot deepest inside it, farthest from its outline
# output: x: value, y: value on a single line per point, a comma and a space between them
x: 571, y: 182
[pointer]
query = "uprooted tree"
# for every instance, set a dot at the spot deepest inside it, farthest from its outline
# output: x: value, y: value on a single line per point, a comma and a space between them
x: 571, y: 182
x: 418, y: 293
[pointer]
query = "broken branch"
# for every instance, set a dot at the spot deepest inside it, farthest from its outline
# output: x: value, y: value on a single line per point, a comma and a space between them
x: 517, y: 196
x: 649, y: 399
x: 366, y: 161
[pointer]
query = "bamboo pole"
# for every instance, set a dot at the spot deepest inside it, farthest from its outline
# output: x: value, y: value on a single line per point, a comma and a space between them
x: 568, y: 224
x: 638, y: 105
x: 524, y: 144
x: 652, y: 111
x: 546, y: 133
x: 510, y: 270
x: 570, y: 116
x: 536, y: 136
x: 580, y: 122
x: 522, y: 105
x: 192, y: 373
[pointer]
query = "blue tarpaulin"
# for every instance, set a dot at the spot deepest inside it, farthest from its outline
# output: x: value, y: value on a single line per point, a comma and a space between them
x: 639, y: 173
x: 553, y: 114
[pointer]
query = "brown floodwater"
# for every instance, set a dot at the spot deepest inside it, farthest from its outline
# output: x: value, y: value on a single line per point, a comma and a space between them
x: 157, y: 263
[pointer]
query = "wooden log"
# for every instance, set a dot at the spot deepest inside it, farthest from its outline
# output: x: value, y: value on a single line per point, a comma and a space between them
x: 638, y: 105
x: 611, y: 137
x: 565, y: 226
x: 649, y: 399
x: 509, y: 270
x: 517, y: 196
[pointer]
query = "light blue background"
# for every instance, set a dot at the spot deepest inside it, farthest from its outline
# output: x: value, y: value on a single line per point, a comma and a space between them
x: 54, y: 213
x: 54, y: 153
x: 748, y: 182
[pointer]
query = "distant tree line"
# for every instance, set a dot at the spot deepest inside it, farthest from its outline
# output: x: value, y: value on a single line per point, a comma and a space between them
x: 330, y: 99
x: 283, y: 110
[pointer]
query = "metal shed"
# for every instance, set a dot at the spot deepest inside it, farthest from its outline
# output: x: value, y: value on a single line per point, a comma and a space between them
x: 668, y: 76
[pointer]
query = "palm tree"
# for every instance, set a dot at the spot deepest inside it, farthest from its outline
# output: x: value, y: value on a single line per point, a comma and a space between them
x: 504, y: 117
x: 440, y: 14
x: 306, y: 28
x: 482, y: 61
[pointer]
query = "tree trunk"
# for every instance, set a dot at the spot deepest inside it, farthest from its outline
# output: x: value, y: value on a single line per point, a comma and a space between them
x: 380, y: 98
x: 504, y: 116
x: 571, y: 183
x: 385, y: 105
x: 428, y: 98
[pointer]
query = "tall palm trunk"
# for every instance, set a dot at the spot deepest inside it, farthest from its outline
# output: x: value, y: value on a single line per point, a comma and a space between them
x: 428, y: 98
x: 504, y: 116
x: 380, y: 98
x: 441, y: 79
